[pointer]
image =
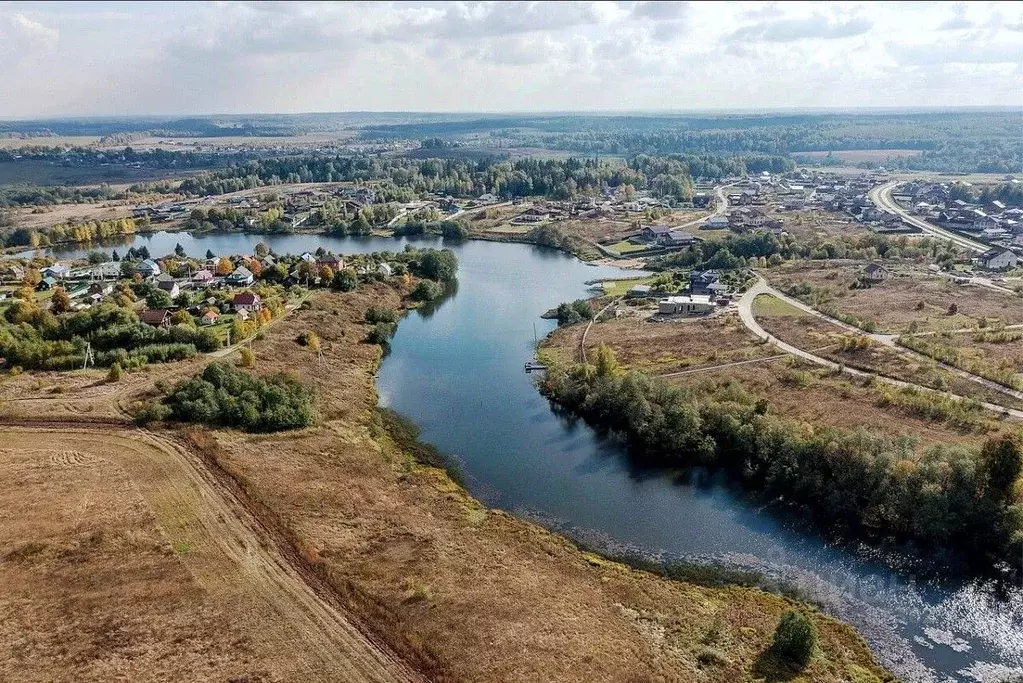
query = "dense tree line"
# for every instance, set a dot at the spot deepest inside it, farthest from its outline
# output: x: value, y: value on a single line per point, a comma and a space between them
x: 33, y: 338
x: 852, y: 482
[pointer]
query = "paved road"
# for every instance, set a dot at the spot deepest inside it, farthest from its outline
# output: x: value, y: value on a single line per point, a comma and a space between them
x: 882, y: 198
x: 746, y: 315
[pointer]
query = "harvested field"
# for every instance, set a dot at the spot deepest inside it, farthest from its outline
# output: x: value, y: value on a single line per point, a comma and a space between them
x: 896, y: 304
x: 853, y: 156
x: 121, y: 559
x: 42, y: 217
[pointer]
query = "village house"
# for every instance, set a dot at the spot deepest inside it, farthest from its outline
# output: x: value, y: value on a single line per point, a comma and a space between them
x: 100, y: 289
x: 875, y: 273
x: 640, y: 292
x: 385, y: 269
x: 157, y: 317
x: 998, y: 259
x: 46, y: 283
x: 706, y: 282
x: 168, y: 284
x: 677, y: 238
x: 247, y: 301
x: 654, y: 233
x: 203, y: 277
x: 240, y: 277
x: 149, y: 268
x: 15, y: 273
x: 56, y: 271
x: 210, y: 317
x: 715, y: 223
x: 693, y: 304
x: 243, y: 315
x: 330, y: 261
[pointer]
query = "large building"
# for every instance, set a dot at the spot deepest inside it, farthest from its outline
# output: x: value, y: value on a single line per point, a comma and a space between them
x: 693, y: 304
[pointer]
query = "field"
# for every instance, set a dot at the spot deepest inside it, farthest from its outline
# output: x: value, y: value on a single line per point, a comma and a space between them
x: 42, y: 217
x: 829, y: 341
x: 663, y: 347
x: 175, y: 577
x: 896, y: 304
x: 815, y: 222
x: 124, y: 563
x: 47, y: 173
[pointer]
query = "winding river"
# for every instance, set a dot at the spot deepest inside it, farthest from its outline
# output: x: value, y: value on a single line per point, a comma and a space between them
x: 457, y: 372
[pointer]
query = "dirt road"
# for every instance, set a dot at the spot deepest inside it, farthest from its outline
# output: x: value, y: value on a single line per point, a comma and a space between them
x: 228, y: 552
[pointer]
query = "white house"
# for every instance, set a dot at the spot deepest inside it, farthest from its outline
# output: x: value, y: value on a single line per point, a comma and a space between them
x: 692, y: 304
x: 149, y: 268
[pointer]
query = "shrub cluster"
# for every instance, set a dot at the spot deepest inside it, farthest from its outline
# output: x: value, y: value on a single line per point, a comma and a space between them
x: 227, y: 396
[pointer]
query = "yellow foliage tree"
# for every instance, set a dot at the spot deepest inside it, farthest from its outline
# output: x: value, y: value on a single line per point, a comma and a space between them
x: 224, y: 266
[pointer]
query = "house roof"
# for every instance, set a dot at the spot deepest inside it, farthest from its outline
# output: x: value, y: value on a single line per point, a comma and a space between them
x: 680, y: 236
x: 203, y: 275
x: 873, y: 268
x: 164, y: 277
x: 154, y: 316
x: 49, y: 280
x: 149, y: 263
x: 211, y: 314
x: 993, y: 252
x: 659, y: 229
x: 241, y: 271
x: 245, y: 299
x: 328, y: 258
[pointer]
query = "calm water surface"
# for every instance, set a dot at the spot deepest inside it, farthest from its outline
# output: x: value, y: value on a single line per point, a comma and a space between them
x: 457, y: 372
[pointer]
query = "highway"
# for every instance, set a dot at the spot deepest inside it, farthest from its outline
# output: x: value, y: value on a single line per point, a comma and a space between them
x: 882, y: 198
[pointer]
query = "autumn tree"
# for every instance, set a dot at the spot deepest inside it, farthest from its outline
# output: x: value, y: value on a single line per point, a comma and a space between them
x: 224, y: 266
x: 61, y: 302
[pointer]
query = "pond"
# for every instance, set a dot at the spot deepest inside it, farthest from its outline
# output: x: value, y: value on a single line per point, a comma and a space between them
x: 457, y: 372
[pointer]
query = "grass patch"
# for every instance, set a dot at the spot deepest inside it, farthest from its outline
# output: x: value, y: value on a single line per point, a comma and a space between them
x: 626, y: 247
x: 766, y: 305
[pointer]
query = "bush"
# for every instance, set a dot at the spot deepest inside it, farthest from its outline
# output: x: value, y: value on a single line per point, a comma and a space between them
x: 231, y: 397
x: 426, y: 290
x: 380, y: 333
x: 153, y: 411
x: 115, y: 373
x: 248, y: 357
x: 381, y: 314
x: 795, y: 639
x: 309, y: 339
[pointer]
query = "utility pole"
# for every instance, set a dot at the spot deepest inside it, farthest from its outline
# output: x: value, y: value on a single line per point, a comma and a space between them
x: 88, y: 356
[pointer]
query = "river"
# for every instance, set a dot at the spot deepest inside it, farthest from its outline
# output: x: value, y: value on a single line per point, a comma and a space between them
x: 457, y: 372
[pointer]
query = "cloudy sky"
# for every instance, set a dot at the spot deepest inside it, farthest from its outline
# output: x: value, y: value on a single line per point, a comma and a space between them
x: 87, y: 58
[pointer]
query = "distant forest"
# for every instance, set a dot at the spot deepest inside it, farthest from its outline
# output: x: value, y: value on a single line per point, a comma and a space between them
x: 983, y: 141
x: 988, y: 141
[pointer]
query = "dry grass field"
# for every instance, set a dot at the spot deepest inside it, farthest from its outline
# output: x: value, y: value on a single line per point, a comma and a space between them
x: 895, y: 304
x: 825, y: 339
x: 122, y: 560
x: 663, y: 347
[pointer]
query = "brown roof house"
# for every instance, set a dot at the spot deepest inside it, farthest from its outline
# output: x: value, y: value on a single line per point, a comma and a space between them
x: 157, y: 317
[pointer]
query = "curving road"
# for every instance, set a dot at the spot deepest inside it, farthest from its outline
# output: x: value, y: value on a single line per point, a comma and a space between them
x: 746, y: 315
x: 882, y: 198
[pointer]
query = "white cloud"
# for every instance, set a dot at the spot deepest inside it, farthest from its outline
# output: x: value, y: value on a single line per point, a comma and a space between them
x: 89, y: 58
